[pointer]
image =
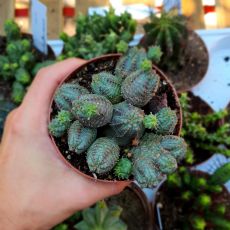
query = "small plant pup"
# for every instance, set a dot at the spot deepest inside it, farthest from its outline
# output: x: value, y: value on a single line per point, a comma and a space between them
x: 100, y: 123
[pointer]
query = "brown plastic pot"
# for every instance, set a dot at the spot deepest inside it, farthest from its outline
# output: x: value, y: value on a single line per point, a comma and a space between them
x: 225, y: 193
x: 107, y: 63
x: 200, y: 59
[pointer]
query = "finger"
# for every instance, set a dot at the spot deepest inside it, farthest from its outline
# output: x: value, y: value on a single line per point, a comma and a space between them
x: 38, y: 98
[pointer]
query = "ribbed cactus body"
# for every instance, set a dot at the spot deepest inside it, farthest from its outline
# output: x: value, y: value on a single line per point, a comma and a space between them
x: 139, y: 87
x: 130, y: 62
x: 101, y: 217
x: 92, y: 110
x: 80, y: 138
x: 127, y: 120
x: 67, y: 93
x: 166, y: 163
x: 123, y: 168
x: 102, y: 155
x: 107, y: 85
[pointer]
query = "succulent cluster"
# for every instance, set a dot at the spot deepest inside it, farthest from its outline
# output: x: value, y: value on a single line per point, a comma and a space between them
x: 18, y: 61
x: 169, y: 31
x: 97, y: 35
x: 201, y: 198
x: 201, y: 133
x: 124, y: 146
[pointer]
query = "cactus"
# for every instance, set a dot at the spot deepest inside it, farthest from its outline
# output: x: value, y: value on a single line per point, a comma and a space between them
x: 80, y: 138
x: 18, y: 92
x: 101, y: 218
x: 107, y: 85
x: 122, y: 46
x: 12, y: 30
x: 198, y: 222
x: 139, y: 87
x: 92, y: 110
x: 23, y: 76
x: 123, y: 168
x: 154, y: 54
x: 127, y: 121
x: 102, y: 155
x: 221, y: 175
x: 59, y: 125
x: 67, y: 93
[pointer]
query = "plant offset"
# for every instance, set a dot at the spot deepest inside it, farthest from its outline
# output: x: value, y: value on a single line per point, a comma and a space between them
x: 108, y: 125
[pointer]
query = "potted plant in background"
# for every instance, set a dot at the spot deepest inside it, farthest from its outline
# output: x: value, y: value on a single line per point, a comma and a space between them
x: 185, y: 56
x: 195, y: 200
x: 97, y: 35
x: 104, y: 124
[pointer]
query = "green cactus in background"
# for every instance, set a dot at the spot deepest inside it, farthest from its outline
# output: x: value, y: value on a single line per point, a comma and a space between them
x: 123, y: 168
x: 127, y: 121
x: 221, y: 175
x: 102, y: 155
x: 101, y: 217
x: 92, y: 110
x: 169, y: 32
x: 139, y: 87
x: 41, y: 65
x: 107, y: 85
x: 67, y: 93
x: 23, y: 76
x: 18, y: 92
x: 154, y: 54
x: 122, y: 46
x: 198, y: 222
x: 80, y: 138
x: 12, y: 30
x: 60, y: 124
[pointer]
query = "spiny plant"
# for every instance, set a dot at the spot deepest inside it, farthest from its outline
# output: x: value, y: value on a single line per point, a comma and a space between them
x: 168, y: 31
x: 200, y: 198
x: 97, y: 35
x: 201, y: 133
x: 122, y: 148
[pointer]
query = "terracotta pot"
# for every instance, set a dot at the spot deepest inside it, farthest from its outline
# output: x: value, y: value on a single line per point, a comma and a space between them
x: 225, y: 193
x: 107, y: 63
x: 196, y: 64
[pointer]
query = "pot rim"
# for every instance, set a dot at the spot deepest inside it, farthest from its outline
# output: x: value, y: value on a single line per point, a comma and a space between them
x: 104, y: 57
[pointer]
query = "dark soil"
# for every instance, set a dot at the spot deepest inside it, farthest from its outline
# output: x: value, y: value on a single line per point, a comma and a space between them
x: 83, y: 76
x: 174, y: 213
x: 195, y: 64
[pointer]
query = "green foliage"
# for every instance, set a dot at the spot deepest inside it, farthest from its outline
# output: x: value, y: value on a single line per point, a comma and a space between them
x: 107, y: 85
x: 198, y: 223
x: 123, y: 168
x: 67, y: 93
x: 23, y: 76
x: 80, y: 138
x: 18, y: 92
x: 221, y: 175
x: 154, y: 54
x: 97, y: 35
x: 12, y: 30
x: 200, y: 131
x: 102, y: 155
x: 169, y: 32
x: 139, y: 87
x: 92, y: 110
x: 102, y: 217
x: 59, y: 125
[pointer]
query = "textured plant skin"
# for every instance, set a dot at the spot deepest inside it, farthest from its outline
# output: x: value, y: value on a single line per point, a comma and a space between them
x: 23, y: 76
x: 107, y: 85
x: 127, y: 121
x: 60, y: 124
x: 67, y: 93
x: 80, y: 138
x: 221, y: 175
x: 123, y: 168
x: 92, y: 110
x: 139, y: 87
x: 12, y: 30
x: 154, y: 54
x: 102, y: 155
x: 102, y: 217
x: 18, y: 92
x: 150, y: 121
x: 122, y: 47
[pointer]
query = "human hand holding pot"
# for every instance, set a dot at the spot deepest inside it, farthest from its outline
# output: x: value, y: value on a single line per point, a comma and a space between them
x: 37, y: 189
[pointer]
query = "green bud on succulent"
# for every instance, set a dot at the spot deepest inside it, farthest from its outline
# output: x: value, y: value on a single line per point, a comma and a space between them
x: 26, y: 60
x: 198, y: 223
x: 220, y: 209
x: 101, y: 217
x: 154, y: 54
x: 150, y: 121
x: 122, y: 46
x: 12, y: 30
x: 18, y: 92
x: 215, y: 188
x: 123, y: 168
x: 221, y: 175
x: 23, y: 76
x: 146, y: 65
x: 80, y: 138
x: 127, y: 121
x: 139, y: 87
x: 26, y: 44
x: 102, y: 155
x: 60, y: 124
x: 174, y: 180
x: 92, y: 110
x: 186, y: 195
x: 201, y: 183
x: 107, y: 85
x: 204, y: 200
x: 67, y: 93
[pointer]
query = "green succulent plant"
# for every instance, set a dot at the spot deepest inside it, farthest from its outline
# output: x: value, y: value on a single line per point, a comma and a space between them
x: 123, y: 168
x: 102, y: 155
x: 92, y: 110
x: 154, y: 54
x: 67, y: 93
x: 12, y: 30
x: 18, y: 92
x: 101, y: 217
x: 80, y: 138
x: 107, y: 85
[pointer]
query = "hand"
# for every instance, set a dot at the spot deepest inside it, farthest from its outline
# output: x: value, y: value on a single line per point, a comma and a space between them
x: 37, y: 189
